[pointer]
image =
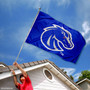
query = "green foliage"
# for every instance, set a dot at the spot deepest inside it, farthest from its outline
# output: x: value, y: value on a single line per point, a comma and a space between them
x: 84, y: 74
x: 71, y: 77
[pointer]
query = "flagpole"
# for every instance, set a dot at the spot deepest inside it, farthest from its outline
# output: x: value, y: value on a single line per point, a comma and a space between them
x: 27, y: 35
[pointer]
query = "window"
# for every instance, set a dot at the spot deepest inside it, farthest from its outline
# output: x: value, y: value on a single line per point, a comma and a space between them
x: 48, y: 74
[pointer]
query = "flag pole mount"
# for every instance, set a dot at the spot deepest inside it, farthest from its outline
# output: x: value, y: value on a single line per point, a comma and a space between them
x: 27, y: 35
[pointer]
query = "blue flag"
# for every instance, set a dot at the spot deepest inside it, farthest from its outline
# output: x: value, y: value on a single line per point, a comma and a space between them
x: 54, y: 36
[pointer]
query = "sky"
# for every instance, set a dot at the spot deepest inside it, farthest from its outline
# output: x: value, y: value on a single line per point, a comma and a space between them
x: 16, y: 18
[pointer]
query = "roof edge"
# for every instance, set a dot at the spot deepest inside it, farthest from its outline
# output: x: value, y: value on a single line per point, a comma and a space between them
x: 86, y: 79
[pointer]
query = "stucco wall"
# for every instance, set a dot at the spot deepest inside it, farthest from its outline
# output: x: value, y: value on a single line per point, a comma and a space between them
x: 39, y: 82
x: 85, y: 86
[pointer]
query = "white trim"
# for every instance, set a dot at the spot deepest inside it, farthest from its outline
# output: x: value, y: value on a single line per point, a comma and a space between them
x: 83, y: 80
x: 66, y: 80
x: 1, y: 65
x: 9, y: 74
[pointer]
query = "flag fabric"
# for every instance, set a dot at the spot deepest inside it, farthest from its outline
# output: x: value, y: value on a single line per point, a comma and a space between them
x: 54, y: 36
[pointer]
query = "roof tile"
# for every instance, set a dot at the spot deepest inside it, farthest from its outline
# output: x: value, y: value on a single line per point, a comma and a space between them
x: 26, y: 65
x: 12, y: 67
x: 4, y: 69
x: 22, y: 65
x: 35, y: 62
x: 39, y: 62
x: 31, y: 64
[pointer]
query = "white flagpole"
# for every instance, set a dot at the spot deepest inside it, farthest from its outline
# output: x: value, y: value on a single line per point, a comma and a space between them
x: 27, y: 35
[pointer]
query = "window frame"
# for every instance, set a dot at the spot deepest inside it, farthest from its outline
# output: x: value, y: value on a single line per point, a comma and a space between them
x: 51, y: 80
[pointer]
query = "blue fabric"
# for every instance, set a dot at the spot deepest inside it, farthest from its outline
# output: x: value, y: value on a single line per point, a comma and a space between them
x: 54, y: 36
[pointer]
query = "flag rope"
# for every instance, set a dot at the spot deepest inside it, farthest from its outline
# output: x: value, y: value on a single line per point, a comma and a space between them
x: 27, y: 35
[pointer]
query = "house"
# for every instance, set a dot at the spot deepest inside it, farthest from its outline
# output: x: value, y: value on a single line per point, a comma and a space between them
x: 84, y: 84
x: 44, y: 74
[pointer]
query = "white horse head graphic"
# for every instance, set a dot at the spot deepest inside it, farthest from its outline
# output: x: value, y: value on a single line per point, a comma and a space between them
x: 56, y: 38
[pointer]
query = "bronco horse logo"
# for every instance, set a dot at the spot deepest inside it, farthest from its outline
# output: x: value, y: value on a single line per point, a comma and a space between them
x: 55, y: 38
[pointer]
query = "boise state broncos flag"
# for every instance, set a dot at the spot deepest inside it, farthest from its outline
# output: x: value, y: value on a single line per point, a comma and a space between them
x: 54, y: 36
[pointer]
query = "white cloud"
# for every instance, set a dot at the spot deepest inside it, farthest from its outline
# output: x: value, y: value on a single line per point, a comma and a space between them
x: 40, y: 55
x: 86, y: 28
x: 69, y: 71
x: 8, y: 57
x: 76, y: 76
x: 32, y: 3
x: 63, y: 2
x: 83, y: 14
x: 28, y: 3
x: 29, y: 48
x: 21, y: 33
x: 86, y: 31
x: 88, y: 40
